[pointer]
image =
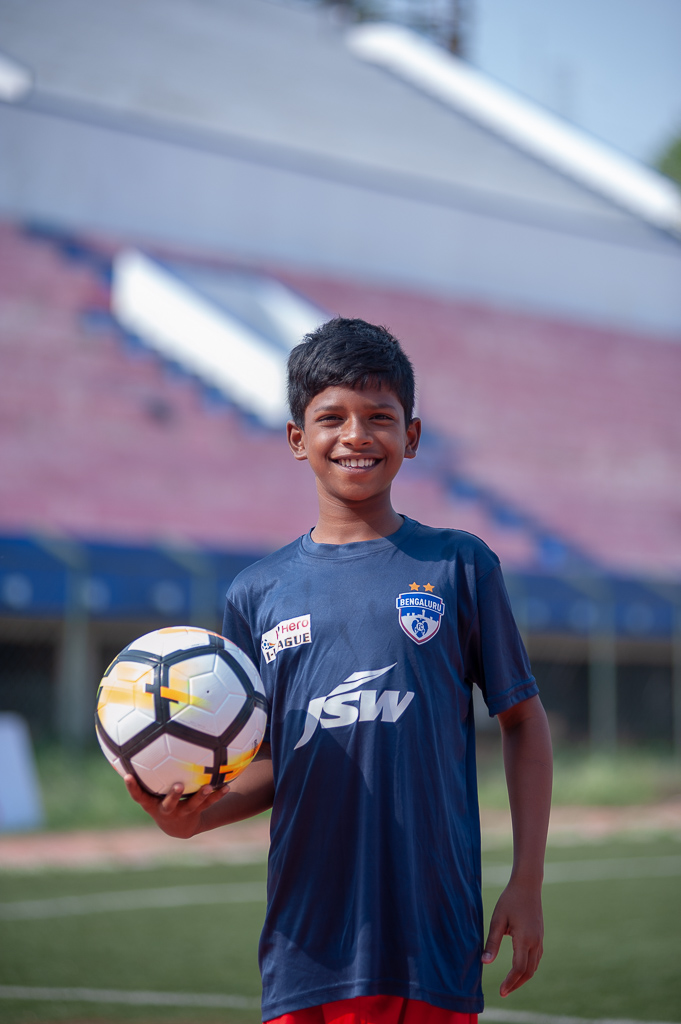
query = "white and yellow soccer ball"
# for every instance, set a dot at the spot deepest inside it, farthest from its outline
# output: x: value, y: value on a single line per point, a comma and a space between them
x: 181, y: 704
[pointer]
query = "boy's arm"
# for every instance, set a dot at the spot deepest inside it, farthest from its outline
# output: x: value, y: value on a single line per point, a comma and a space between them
x: 528, y: 762
x: 249, y: 794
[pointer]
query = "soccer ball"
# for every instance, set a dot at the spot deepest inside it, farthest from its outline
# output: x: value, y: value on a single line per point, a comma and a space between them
x: 181, y: 704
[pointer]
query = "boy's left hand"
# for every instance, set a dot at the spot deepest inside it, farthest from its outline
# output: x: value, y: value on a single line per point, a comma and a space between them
x: 518, y: 913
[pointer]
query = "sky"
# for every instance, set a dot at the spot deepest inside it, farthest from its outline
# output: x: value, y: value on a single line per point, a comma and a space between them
x: 613, y: 67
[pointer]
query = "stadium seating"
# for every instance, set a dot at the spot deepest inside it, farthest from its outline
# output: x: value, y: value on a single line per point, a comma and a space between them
x: 550, y: 439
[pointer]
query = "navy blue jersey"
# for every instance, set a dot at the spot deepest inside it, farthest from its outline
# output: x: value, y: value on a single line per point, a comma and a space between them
x: 368, y: 652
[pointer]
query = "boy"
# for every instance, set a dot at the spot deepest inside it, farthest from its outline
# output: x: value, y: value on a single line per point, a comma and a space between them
x: 369, y: 633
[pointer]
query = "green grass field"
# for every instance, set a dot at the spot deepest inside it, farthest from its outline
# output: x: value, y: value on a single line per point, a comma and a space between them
x: 612, y: 946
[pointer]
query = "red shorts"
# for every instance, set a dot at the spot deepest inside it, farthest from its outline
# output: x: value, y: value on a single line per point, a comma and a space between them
x: 375, y: 1010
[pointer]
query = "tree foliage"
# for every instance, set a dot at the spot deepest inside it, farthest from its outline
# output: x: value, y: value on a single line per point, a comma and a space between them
x: 670, y: 161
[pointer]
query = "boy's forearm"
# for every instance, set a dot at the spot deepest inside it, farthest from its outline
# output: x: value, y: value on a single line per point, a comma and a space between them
x: 518, y: 912
x: 528, y: 763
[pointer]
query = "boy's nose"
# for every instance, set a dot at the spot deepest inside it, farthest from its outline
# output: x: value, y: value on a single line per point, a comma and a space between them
x: 355, y: 433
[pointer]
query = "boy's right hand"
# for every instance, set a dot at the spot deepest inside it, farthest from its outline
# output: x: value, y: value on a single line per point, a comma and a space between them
x: 178, y: 818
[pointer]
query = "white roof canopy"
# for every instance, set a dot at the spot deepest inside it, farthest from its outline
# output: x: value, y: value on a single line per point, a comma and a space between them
x: 536, y: 131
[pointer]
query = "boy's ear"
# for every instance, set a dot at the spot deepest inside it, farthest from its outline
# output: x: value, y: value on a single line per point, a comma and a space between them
x: 413, y: 438
x: 296, y: 440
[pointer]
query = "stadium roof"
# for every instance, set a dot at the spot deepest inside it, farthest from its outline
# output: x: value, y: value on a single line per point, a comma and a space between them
x: 534, y: 130
x: 279, y: 82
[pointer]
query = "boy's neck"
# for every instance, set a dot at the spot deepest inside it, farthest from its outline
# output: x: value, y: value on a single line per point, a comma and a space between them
x: 343, y: 524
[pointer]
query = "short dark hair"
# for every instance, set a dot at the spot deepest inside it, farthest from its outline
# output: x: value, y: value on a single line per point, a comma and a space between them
x: 348, y: 353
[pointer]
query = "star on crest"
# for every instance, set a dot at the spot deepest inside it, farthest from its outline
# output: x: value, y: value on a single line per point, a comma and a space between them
x: 429, y: 587
x: 413, y: 586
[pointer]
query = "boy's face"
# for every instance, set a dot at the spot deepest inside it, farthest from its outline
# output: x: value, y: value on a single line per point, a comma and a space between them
x: 355, y: 441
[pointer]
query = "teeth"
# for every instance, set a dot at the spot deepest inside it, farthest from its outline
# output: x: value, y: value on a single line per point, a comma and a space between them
x: 357, y: 463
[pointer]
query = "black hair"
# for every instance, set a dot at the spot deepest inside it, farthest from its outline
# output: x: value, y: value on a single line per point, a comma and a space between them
x: 348, y: 353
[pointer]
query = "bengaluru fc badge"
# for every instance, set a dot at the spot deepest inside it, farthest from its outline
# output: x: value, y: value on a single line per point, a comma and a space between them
x: 420, y: 613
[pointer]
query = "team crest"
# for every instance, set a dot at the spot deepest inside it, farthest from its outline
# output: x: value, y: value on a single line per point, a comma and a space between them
x: 420, y: 613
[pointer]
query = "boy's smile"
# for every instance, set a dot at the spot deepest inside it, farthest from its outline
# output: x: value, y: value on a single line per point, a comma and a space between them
x: 355, y: 441
x: 358, y: 463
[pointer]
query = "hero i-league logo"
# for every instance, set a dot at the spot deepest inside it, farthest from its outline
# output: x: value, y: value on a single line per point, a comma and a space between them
x: 420, y: 613
x: 285, y: 635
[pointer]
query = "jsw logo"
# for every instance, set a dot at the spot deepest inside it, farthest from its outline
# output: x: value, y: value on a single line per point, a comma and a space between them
x: 343, y: 707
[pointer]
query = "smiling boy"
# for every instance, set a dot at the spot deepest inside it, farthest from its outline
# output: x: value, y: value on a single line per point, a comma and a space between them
x: 370, y: 632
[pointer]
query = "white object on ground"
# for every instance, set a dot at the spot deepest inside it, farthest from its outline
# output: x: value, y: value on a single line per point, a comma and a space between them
x: 20, y: 799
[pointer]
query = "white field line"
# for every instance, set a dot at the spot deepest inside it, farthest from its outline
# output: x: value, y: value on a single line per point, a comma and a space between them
x: 135, y: 899
x: 520, y: 1017
x: 595, y: 870
x: 254, y: 892
x: 105, y: 995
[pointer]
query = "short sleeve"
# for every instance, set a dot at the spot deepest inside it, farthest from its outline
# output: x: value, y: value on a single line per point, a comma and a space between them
x: 236, y: 628
x: 496, y: 658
